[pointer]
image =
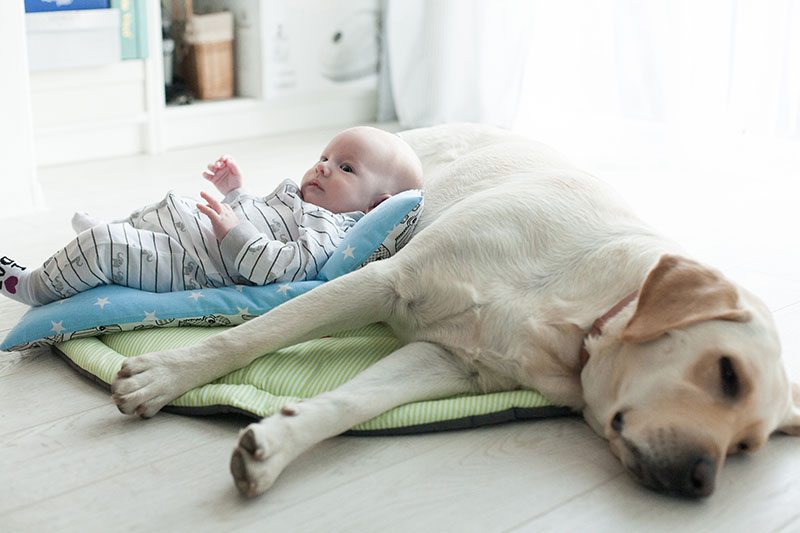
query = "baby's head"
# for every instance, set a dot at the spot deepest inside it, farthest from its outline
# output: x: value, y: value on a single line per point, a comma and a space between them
x: 360, y: 168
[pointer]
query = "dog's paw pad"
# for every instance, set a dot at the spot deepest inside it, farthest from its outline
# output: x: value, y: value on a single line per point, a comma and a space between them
x: 245, y: 485
x: 249, y: 442
x: 262, y: 451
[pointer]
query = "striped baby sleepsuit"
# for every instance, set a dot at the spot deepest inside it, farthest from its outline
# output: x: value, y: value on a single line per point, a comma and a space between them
x: 170, y: 246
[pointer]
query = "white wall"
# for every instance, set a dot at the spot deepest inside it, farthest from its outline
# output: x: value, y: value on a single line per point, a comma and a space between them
x: 20, y: 190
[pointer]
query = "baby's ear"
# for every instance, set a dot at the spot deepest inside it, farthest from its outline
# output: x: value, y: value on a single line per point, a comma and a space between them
x: 378, y: 201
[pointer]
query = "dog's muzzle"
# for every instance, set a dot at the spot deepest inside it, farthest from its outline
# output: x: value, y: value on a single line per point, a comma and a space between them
x: 691, y: 475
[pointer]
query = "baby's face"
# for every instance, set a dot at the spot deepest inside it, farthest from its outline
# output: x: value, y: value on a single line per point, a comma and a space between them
x: 350, y: 174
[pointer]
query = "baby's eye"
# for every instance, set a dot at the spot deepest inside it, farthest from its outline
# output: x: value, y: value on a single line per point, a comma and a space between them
x: 346, y: 168
x: 323, y: 158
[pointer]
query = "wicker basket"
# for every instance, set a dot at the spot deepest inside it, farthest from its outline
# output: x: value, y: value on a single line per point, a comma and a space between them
x: 209, y: 70
x: 208, y: 63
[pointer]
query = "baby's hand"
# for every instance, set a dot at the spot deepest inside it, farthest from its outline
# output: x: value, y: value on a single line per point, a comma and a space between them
x: 223, y: 219
x: 224, y: 174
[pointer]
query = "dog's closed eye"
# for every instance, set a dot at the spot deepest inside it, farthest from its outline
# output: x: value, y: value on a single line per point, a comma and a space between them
x: 729, y: 378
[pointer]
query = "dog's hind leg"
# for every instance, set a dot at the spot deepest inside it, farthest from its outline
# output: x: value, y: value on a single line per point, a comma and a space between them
x: 418, y: 371
x: 148, y: 382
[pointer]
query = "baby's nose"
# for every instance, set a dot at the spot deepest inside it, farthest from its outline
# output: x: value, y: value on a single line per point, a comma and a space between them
x: 322, y: 168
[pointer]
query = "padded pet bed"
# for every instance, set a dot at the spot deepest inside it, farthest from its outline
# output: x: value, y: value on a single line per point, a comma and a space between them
x: 302, y: 371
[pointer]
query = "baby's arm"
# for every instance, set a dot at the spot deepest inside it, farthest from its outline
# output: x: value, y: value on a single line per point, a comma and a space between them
x: 261, y: 259
x: 224, y: 173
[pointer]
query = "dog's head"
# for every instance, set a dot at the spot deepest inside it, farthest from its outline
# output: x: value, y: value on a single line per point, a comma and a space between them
x: 688, y: 374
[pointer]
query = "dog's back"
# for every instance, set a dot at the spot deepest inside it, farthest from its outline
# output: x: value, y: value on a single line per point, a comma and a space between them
x: 460, y: 160
x: 516, y: 246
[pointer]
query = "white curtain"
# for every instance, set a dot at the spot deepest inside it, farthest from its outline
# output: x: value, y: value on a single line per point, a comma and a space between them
x: 696, y: 67
x: 453, y: 60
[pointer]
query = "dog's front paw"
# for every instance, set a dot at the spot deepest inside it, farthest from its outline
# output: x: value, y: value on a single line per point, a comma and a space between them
x: 263, y: 450
x: 145, y: 384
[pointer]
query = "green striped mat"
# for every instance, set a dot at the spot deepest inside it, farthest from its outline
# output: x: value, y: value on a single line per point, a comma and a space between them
x: 302, y: 371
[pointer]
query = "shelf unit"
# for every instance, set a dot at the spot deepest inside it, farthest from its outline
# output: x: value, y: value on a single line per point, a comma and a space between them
x: 119, y: 109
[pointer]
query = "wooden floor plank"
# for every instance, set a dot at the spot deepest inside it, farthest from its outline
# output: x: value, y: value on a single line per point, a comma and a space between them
x: 16, y: 362
x: 93, y: 445
x: 491, y: 479
x: 756, y: 493
x: 46, y: 390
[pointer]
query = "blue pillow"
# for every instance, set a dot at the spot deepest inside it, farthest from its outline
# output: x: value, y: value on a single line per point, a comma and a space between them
x: 113, y: 308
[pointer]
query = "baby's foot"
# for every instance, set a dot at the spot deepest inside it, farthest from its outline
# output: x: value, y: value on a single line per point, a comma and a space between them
x: 83, y: 221
x: 13, y: 278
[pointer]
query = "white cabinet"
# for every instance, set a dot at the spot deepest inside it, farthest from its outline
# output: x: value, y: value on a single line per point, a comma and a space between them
x: 119, y: 109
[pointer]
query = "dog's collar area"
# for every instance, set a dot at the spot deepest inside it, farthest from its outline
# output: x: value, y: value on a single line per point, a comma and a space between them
x: 597, y: 326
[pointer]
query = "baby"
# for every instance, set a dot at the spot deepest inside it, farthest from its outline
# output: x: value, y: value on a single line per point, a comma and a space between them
x: 177, y: 245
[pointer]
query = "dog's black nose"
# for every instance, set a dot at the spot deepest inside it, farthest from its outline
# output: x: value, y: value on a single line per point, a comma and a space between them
x: 693, y: 476
x: 702, y: 475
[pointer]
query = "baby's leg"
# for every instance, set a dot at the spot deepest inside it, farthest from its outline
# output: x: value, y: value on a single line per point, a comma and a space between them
x: 83, y: 221
x: 103, y: 255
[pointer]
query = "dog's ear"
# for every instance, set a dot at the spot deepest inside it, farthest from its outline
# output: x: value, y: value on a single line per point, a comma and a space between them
x: 791, y: 422
x: 679, y: 292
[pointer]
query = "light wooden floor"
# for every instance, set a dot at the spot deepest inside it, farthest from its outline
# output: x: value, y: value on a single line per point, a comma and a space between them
x: 70, y: 462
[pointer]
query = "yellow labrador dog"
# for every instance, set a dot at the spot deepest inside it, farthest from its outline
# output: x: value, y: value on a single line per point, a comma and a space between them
x: 524, y: 272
